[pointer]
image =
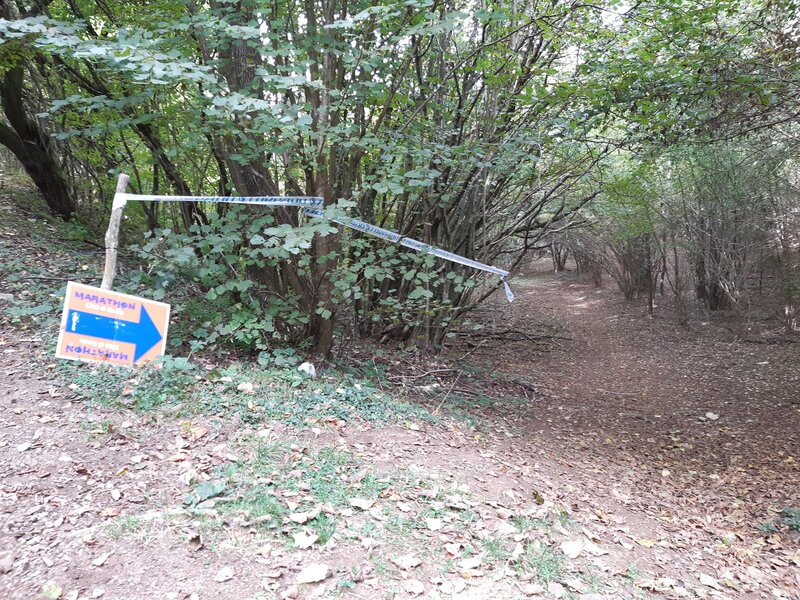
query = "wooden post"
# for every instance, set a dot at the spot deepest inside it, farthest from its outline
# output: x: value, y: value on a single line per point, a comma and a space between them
x: 112, y: 234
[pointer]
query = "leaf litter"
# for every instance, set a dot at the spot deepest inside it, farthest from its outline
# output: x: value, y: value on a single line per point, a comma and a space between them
x: 538, y: 496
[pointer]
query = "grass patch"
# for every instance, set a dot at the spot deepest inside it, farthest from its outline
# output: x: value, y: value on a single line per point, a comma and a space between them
x: 545, y: 564
x: 526, y: 524
x: 249, y: 391
x: 277, y: 484
x: 124, y: 526
x: 791, y: 518
x: 495, y: 550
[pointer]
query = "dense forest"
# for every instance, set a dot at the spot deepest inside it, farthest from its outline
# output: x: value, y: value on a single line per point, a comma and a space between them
x: 656, y: 142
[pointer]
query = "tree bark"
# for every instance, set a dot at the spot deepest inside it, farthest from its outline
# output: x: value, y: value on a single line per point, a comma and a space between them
x: 32, y: 146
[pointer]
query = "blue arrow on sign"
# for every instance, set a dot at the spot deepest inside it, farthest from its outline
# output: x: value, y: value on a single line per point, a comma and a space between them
x: 143, y: 334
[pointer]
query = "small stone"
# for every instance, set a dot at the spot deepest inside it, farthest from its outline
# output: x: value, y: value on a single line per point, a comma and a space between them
x: 224, y: 574
x: 6, y: 564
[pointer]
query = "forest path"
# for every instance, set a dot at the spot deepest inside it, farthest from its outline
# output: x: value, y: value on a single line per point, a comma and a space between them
x: 694, y: 435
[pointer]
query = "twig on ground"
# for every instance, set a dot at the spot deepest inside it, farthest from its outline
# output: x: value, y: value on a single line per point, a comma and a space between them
x: 448, y: 392
x: 419, y: 376
x: 613, y: 393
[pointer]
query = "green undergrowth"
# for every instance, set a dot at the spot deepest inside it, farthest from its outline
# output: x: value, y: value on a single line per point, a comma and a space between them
x: 246, y: 390
x: 39, y: 253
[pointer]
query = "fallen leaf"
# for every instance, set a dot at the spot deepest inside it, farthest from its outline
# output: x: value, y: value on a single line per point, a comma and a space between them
x: 572, y: 548
x: 369, y: 543
x: 517, y: 552
x: 455, y: 586
x: 473, y: 562
x: 453, y: 548
x: 592, y: 548
x: 195, y: 541
x: 204, y: 491
x: 198, y: 432
x: 313, y: 573
x: 556, y: 589
x: 470, y: 573
x: 505, y: 529
x: 6, y: 564
x: 647, y: 543
x: 575, y: 584
x: 407, y: 561
x: 304, y: 538
x: 433, y: 524
x: 533, y: 589
x: 51, y: 591
x: 663, y: 584
x: 101, y: 560
x: 413, y: 587
x: 362, y: 503
x: 111, y: 511
x: 304, y: 517
x: 274, y: 574
x: 710, y: 581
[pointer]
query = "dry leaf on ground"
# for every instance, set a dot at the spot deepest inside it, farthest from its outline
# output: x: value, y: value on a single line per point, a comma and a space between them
x: 407, y: 561
x: 313, y: 573
x: 224, y: 574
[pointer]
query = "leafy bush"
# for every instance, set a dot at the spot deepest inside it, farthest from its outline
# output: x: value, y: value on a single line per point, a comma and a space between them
x: 392, y: 290
x: 209, y: 275
x: 212, y: 276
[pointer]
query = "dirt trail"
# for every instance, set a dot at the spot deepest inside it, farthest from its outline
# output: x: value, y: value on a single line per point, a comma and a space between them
x: 691, y: 438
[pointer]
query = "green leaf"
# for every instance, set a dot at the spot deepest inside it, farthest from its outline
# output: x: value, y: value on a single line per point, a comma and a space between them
x: 204, y: 491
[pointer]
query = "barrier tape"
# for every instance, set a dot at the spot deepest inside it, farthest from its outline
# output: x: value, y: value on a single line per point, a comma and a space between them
x: 396, y: 238
x: 315, y: 202
x: 121, y: 199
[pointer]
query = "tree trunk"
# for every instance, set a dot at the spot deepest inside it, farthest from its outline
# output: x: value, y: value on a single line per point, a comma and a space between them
x: 32, y: 147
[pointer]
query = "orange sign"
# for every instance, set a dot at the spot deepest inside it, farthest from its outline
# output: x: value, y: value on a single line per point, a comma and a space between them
x: 105, y: 326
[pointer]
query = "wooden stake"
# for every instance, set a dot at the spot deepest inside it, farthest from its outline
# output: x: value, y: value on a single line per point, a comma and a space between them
x: 112, y: 235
